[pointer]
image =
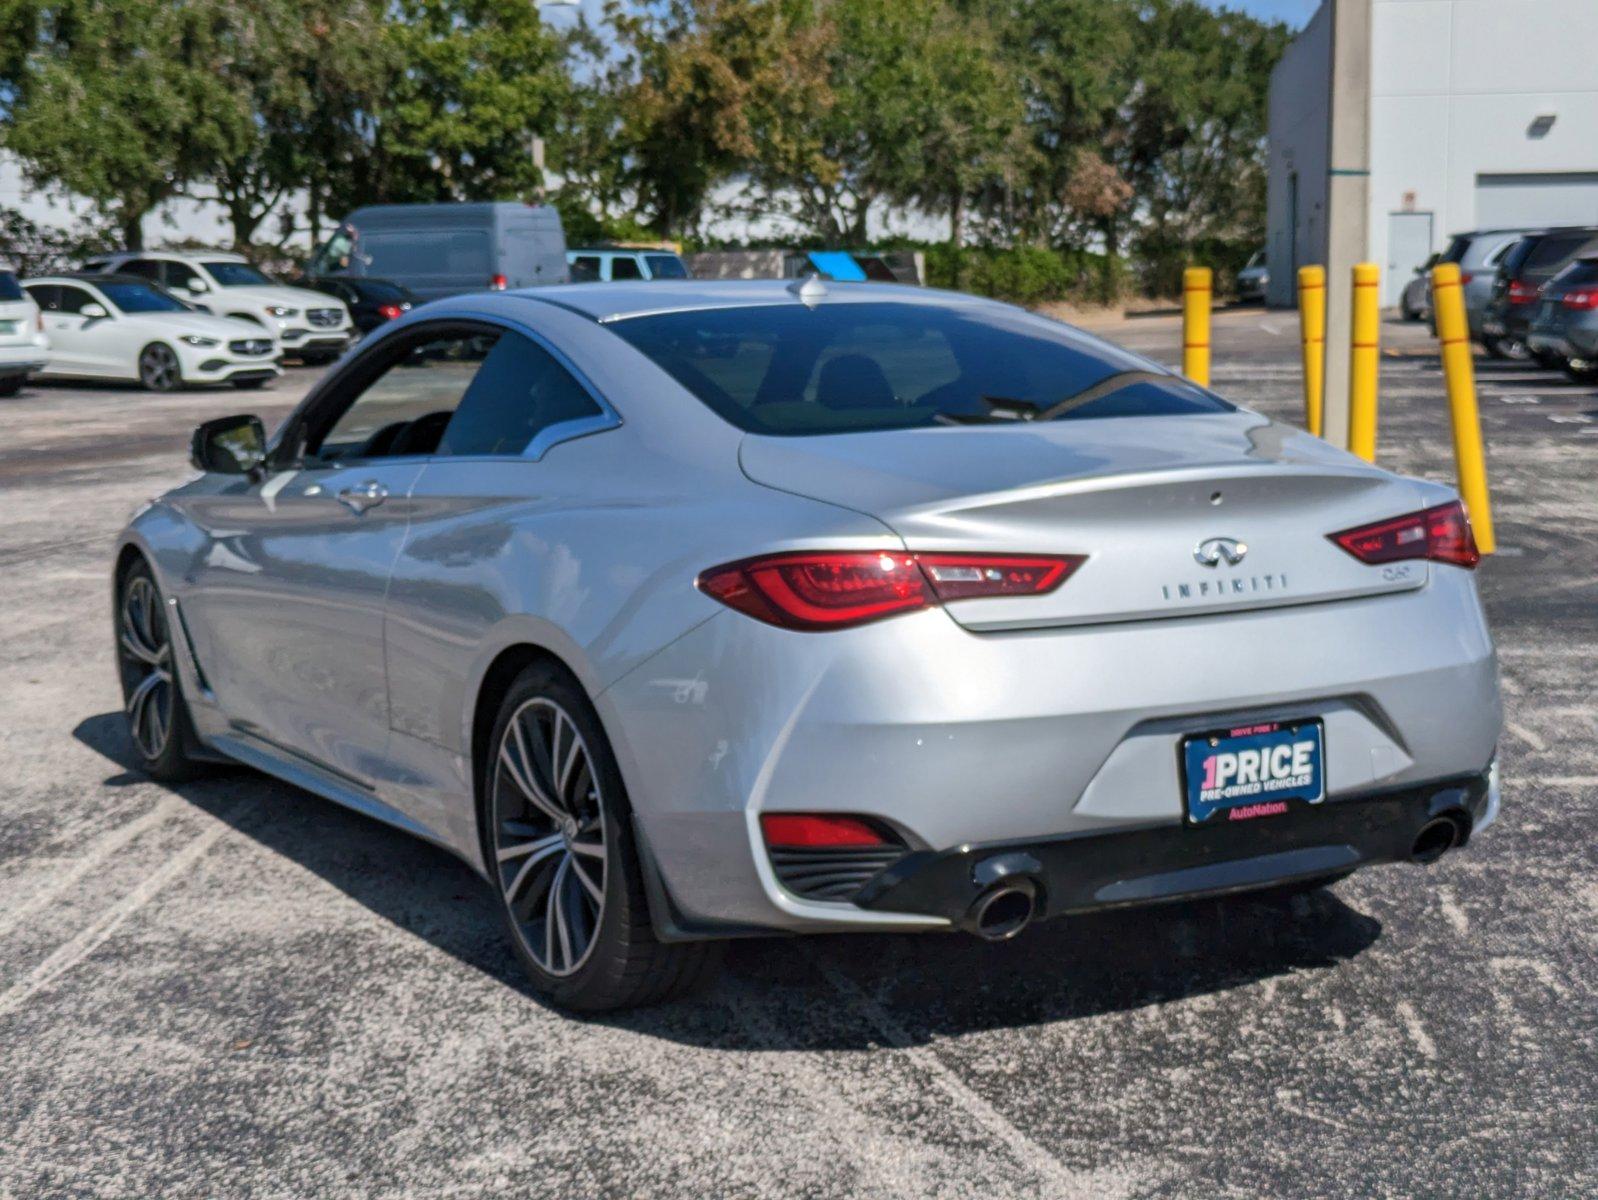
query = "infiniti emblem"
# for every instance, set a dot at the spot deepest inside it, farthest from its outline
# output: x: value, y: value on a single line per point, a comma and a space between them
x: 1211, y: 552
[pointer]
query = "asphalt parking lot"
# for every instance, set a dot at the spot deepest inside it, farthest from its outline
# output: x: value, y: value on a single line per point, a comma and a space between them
x: 234, y: 989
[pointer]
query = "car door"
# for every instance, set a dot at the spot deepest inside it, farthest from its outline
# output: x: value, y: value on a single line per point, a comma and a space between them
x: 80, y: 344
x: 289, y: 596
x: 488, y: 514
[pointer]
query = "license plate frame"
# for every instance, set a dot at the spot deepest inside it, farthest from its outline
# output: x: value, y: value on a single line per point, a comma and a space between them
x: 1244, y: 788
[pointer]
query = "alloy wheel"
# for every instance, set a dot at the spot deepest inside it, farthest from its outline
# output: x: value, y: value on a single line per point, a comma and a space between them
x: 158, y: 368
x: 549, y: 836
x: 147, y: 666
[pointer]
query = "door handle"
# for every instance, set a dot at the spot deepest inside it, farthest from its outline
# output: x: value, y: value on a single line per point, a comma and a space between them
x: 367, y: 495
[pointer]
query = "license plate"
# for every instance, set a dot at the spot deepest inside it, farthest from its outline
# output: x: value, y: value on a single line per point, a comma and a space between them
x: 1253, y: 770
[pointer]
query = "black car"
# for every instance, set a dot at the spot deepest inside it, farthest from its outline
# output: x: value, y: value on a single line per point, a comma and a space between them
x: 1532, y: 262
x: 370, y: 301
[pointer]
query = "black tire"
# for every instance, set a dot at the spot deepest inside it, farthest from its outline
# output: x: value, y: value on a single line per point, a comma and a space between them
x: 1507, y: 348
x: 1550, y: 360
x: 621, y: 964
x: 159, y: 369
x: 144, y: 650
x: 11, y: 384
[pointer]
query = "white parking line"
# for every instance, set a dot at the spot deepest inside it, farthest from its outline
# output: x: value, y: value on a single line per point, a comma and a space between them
x: 1063, y: 1183
x: 94, y: 935
x: 98, y: 853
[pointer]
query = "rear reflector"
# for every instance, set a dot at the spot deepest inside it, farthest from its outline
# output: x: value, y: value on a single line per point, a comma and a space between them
x: 498, y: 283
x: 1522, y: 293
x: 834, y: 589
x: 390, y: 312
x: 1440, y: 534
x: 817, y: 829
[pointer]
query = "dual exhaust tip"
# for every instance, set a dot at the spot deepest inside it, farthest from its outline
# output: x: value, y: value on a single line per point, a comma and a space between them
x: 1009, y: 906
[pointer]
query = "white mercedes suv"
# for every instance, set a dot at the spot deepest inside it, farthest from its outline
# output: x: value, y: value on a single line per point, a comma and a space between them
x: 311, y: 326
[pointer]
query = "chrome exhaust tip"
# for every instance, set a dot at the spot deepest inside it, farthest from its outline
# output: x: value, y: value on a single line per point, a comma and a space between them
x: 1435, y: 839
x: 1002, y: 913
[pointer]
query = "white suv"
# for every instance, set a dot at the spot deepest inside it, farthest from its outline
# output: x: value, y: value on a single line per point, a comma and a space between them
x: 312, y: 326
x: 24, y: 348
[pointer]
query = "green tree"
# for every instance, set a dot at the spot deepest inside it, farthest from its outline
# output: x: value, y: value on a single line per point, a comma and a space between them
x: 116, y: 100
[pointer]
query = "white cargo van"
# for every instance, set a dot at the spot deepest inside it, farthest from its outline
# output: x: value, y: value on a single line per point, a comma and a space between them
x: 445, y: 249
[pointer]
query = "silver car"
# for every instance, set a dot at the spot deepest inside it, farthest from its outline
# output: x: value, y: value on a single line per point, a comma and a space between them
x: 690, y: 611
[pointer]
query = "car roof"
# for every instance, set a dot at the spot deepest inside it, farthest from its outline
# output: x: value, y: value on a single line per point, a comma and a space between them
x: 94, y: 278
x: 618, y: 301
x: 178, y: 255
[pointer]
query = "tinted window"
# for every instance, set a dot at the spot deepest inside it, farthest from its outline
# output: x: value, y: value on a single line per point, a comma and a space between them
x: 625, y: 268
x: 1456, y: 250
x: 405, y: 410
x: 142, y: 298
x: 378, y: 291
x: 46, y: 295
x: 666, y: 266
x: 585, y: 268
x: 236, y: 274
x: 144, y: 268
x: 518, y: 393
x: 1578, y: 274
x: 10, y: 289
x: 792, y: 369
x: 72, y: 299
x: 1552, y: 253
x: 180, y: 274
x: 1516, y: 256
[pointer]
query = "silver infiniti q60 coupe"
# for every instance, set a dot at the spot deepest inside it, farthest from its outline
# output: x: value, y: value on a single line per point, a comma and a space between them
x: 691, y: 610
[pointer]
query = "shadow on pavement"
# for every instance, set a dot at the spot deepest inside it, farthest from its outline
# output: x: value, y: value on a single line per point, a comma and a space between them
x: 833, y: 992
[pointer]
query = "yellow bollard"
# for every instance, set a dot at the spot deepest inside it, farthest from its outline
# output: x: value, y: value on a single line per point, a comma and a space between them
x: 1312, y: 330
x: 1364, y: 349
x: 1196, y: 288
x: 1448, y: 302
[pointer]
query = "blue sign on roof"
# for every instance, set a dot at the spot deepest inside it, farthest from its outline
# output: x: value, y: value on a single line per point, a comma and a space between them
x: 837, y: 264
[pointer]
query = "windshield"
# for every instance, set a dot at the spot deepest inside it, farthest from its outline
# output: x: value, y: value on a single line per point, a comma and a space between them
x: 236, y: 274
x: 789, y: 369
x: 141, y: 298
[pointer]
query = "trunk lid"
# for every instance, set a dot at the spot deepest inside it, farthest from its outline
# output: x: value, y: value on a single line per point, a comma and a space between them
x: 1139, y: 496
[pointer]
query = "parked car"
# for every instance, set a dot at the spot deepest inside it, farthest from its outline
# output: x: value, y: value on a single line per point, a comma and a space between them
x: 447, y: 249
x: 1565, y: 324
x: 310, y: 326
x: 1478, y: 253
x: 24, y: 346
x: 1529, y: 264
x: 688, y: 610
x: 125, y: 327
x: 603, y: 264
x: 1254, y: 279
x: 370, y: 301
x: 1415, y: 302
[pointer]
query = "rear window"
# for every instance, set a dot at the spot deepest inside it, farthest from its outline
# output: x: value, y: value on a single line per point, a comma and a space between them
x: 1553, y: 252
x: 1578, y: 274
x: 10, y: 289
x: 789, y: 369
x: 1456, y: 250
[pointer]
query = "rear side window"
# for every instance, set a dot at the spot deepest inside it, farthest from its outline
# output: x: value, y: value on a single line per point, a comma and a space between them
x: 790, y: 369
x: 625, y: 268
x: 519, y: 392
x: 10, y: 289
x: 585, y: 268
x: 144, y: 268
x: 666, y: 266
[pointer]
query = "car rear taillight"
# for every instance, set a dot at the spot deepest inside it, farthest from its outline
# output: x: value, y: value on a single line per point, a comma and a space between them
x: 1581, y: 298
x: 1522, y: 293
x: 389, y: 311
x: 834, y: 589
x: 1465, y: 278
x: 498, y: 283
x: 38, y: 320
x: 1441, y: 534
x: 812, y: 830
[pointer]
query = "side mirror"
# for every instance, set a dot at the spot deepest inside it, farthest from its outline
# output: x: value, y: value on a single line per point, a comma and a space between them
x: 229, y: 446
x: 93, y: 311
x: 197, y: 286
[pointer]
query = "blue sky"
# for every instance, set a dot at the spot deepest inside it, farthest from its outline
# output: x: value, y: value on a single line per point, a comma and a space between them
x: 1295, y: 12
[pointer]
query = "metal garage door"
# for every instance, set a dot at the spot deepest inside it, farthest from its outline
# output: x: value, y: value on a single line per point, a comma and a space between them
x: 1520, y: 201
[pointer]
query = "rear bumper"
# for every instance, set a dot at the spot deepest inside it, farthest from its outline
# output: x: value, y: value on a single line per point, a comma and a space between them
x: 1168, y: 862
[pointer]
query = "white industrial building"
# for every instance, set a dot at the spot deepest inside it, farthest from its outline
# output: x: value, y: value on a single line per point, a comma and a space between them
x: 1446, y: 115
